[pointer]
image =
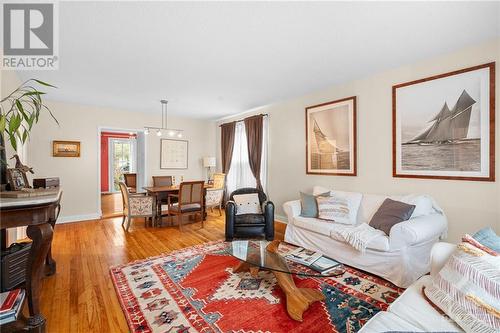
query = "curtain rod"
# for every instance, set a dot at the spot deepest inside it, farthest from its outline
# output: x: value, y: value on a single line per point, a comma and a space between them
x: 237, y: 121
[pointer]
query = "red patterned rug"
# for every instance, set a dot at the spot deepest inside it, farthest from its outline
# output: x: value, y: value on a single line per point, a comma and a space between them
x: 195, y: 290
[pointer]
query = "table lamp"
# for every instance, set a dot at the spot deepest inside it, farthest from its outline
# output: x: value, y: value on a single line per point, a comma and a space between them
x: 209, y: 163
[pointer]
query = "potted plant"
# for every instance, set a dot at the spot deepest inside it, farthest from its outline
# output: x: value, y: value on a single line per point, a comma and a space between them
x: 19, y: 112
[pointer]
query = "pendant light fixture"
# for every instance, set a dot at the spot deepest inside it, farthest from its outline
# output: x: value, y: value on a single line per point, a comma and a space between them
x: 164, y: 128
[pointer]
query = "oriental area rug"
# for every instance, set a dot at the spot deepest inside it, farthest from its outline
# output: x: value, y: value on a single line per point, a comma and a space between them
x: 195, y: 290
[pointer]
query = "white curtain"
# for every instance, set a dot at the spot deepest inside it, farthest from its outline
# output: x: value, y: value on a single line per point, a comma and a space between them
x: 240, y: 175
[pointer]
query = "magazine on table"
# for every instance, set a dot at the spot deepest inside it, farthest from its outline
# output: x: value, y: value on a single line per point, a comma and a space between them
x: 325, y: 265
x: 11, y: 303
x: 303, y: 256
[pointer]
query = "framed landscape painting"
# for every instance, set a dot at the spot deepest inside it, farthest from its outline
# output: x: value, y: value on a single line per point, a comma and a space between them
x: 444, y: 126
x: 331, y: 138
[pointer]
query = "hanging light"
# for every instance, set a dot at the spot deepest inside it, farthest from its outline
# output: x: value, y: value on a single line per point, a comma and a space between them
x: 171, y: 132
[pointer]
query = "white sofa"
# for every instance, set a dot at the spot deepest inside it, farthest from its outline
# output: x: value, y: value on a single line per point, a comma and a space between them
x: 410, y: 312
x: 402, y: 257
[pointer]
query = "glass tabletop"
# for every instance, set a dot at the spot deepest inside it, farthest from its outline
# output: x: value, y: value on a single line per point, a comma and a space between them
x: 271, y: 256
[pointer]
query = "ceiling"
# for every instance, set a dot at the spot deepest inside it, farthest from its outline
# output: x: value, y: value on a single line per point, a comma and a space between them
x: 214, y: 59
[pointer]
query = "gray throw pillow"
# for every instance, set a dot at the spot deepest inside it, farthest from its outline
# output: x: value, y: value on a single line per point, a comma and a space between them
x: 309, y: 206
x: 390, y: 213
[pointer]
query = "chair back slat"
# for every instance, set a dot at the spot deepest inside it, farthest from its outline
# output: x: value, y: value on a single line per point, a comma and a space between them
x: 130, y: 179
x: 162, y: 181
x: 191, y: 192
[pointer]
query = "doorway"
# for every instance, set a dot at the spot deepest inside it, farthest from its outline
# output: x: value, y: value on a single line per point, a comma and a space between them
x: 121, y: 152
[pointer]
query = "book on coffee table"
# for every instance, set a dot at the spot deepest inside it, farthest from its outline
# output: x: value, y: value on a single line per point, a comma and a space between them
x: 324, y: 265
x: 303, y: 256
x: 11, y: 303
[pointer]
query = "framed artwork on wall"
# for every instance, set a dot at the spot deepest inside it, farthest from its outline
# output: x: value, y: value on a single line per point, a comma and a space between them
x: 444, y: 126
x: 66, y: 148
x: 173, y: 154
x: 331, y: 138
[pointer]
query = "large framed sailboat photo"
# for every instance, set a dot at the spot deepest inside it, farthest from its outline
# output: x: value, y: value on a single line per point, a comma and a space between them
x: 331, y: 138
x: 444, y: 126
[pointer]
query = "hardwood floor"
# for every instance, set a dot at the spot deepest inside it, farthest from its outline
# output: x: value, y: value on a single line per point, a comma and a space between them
x: 80, y: 297
x: 111, y: 205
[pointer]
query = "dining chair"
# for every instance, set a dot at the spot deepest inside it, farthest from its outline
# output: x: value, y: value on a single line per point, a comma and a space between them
x: 136, y: 205
x: 131, y: 181
x: 215, y: 194
x: 162, y: 181
x: 189, y: 201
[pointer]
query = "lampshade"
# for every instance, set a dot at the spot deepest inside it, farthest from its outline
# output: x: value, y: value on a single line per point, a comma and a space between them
x: 208, y: 162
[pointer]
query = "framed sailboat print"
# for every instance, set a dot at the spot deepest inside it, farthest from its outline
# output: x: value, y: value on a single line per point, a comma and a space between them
x: 331, y: 138
x: 444, y: 126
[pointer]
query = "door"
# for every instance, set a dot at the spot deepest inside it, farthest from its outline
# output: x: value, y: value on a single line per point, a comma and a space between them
x: 122, y: 159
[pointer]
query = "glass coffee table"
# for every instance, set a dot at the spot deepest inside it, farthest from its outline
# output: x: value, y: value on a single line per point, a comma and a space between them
x: 263, y: 255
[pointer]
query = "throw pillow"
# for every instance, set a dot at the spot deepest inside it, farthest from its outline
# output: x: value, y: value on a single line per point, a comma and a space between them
x: 390, y: 213
x: 423, y: 204
x: 467, y: 289
x: 309, y: 206
x: 335, y: 209
x: 354, y: 199
x: 488, y: 238
x: 247, y: 204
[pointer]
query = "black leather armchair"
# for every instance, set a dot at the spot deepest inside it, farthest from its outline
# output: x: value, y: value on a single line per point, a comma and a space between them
x: 250, y: 225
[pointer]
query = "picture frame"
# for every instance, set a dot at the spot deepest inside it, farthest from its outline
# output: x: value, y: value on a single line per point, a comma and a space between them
x: 66, y: 148
x: 174, y: 154
x: 443, y: 126
x: 17, y: 179
x: 331, y: 138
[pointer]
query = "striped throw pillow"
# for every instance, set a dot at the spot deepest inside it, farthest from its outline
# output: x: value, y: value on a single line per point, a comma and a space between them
x: 467, y: 289
x: 334, y: 208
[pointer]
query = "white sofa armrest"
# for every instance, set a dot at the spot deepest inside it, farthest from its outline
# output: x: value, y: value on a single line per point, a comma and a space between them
x: 440, y: 254
x: 418, y: 230
x: 292, y: 209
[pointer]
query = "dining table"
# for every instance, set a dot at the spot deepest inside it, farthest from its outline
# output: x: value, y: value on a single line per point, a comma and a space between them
x: 159, y: 192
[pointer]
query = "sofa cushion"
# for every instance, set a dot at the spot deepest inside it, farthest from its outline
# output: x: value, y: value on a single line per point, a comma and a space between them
x: 249, y: 219
x: 354, y: 199
x: 416, y: 310
x: 308, y: 204
x: 423, y: 204
x: 314, y: 224
x: 488, y: 238
x: 467, y: 289
x: 391, y: 212
x: 247, y: 204
x: 335, y: 209
x: 326, y: 228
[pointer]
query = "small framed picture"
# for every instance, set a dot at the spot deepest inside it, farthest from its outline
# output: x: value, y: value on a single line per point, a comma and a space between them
x: 17, y: 179
x: 66, y: 148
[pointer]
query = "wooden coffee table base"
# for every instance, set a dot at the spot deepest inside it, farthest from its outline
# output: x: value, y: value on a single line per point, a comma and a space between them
x: 298, y: 300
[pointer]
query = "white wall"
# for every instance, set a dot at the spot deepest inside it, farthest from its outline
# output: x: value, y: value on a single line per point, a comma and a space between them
x: 80, y: 176
x: 468, y: 205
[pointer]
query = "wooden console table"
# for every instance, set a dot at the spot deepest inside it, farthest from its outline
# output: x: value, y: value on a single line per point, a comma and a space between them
x: 39, y: 214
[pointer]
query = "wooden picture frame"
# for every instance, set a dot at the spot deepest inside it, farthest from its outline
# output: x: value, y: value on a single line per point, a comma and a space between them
x: 174, y: 154
x: 443, y: 126
x: 17, y: 179
x: 331, y: 138
x: 66, y: 148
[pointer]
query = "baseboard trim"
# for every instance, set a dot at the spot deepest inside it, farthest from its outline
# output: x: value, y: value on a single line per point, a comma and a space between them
x: 78, y: 218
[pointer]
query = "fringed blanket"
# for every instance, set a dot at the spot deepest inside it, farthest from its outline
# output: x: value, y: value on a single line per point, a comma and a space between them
x: 357, y: 236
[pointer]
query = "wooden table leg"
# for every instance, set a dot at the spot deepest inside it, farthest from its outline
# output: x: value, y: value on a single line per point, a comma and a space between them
x: 41, y: 235
x: 50, y: 268
x: 246, y: 267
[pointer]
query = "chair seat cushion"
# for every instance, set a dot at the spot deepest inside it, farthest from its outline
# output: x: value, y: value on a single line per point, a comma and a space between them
x: 249, y: 219
x: 186, y: 208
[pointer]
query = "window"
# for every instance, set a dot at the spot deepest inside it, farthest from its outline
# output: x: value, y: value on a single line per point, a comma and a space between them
x: 240, y: 175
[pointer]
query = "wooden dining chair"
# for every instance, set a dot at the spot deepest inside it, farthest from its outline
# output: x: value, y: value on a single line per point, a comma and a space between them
x: 215, y: 194
x: 131, y: 181
x: 189, y: 201
x: 136, y: 205
x: 162, y: 181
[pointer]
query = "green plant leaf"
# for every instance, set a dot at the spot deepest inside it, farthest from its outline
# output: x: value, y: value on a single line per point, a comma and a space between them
x: 3, y: 123
x: 13, y: 142
x: 44, y: 83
